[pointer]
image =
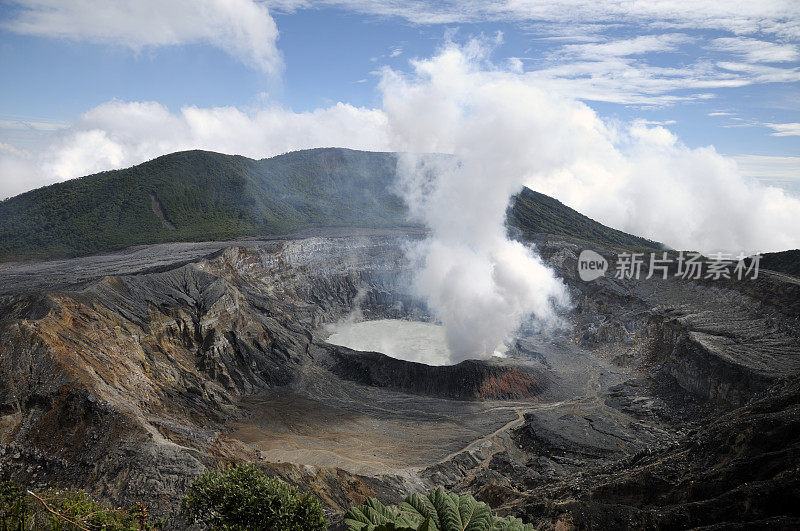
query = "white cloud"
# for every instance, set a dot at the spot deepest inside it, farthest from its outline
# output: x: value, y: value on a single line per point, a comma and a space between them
x: 757, y: 51
x: 657, y: 122
x: 120, y: 134
x: 242, y: 28
x: 777, y: 17
x: 14, y: 151
x: 780, y: 129
x: 621, y: 71
x: 781, y: 172
x: 630, y: 81
x: 749, y: 73
x: 640, y: 45
x: 28, y: 125
x: 789, y: 129
x: 596, y: 64
x: 650, y: 184
x: 769, y: 167
x: 720, y: 113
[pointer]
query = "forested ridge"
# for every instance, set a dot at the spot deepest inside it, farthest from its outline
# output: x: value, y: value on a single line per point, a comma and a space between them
x: 201, y: 195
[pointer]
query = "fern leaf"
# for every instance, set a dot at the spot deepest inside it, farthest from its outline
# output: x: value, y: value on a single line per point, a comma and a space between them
x: 386, y: 514
x: 444, y: 507
x: 418, y: 508
x: 473, y: 515
x: 428, y: 525
x: 509, y: 523
x: 437, y: 511
x: 394, y: 527
x: 355, y: 520
x: 368, y: 515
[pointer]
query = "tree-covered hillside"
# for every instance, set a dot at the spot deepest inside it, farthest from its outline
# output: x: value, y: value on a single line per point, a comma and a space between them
x: 200, y: 195
x: 531, y: 212
x: 787, y: 262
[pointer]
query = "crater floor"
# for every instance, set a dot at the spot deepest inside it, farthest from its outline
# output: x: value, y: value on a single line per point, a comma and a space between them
x: 369, y: 433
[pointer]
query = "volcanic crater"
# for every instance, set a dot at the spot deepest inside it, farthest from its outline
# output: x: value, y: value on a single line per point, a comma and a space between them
x: 134, y: 371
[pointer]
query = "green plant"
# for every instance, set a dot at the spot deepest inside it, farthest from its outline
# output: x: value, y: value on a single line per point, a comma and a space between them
x: 436, y: 511
x: 14, y: 506
x: 245, y: 497
x: 65, y: 510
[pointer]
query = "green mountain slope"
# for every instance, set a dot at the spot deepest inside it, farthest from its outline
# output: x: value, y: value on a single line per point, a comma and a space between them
x: 787, y: 262
x: 200, y: 195
x: 531, y: 212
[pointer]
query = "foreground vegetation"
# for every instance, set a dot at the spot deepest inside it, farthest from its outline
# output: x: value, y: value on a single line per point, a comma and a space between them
x: 66, y: 510
x: 436, y: 511
x: 245, y: 497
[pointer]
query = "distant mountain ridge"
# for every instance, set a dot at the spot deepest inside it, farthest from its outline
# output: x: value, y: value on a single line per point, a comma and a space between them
x: 787, y: 262
x: 201, y: 195
x: 532, y: 212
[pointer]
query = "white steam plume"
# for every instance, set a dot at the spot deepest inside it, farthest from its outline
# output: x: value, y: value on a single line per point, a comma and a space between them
x: 508, y: 131
x: 479, y: 283
x: 504, y: 132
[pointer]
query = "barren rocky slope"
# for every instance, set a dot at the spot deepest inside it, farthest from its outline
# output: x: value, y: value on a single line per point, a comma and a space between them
x: 702, y: 429
x: 129, y: 373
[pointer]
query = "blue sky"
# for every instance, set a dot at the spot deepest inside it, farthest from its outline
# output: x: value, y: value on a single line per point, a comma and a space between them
x: 723, y: 76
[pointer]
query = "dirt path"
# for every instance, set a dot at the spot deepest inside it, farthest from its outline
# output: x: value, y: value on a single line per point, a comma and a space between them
x: 490, y: 437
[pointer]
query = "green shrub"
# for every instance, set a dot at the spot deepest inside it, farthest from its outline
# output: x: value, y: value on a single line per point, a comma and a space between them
x: 437, y: 511
x: 65, y: 510
x: 14, y: 507
x: 245, y: 497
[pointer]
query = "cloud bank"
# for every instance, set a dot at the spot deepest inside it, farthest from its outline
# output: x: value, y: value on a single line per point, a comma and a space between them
x: 613, y: 51
x: 242, y: 28
x: 121, y: 134
x: 777, y: 17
